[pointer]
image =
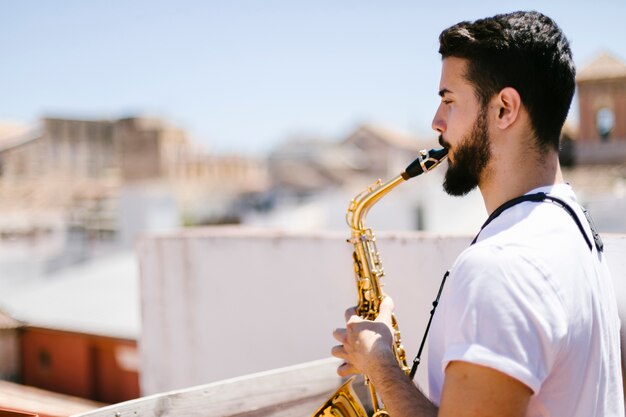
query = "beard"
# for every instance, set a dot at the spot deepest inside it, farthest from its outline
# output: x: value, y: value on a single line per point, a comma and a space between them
x: 470, y: 158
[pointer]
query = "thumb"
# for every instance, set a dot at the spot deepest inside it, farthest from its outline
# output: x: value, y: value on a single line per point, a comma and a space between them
x: 386, y: 310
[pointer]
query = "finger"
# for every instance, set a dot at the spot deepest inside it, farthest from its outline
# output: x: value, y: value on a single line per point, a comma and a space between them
x: 349, y: 313
x: 386, y: 310
x: 339, y: 352
x: 340, y: 335
x: 346, y: 369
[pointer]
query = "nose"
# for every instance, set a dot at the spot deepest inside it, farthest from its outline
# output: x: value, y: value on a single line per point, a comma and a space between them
x: 439, y: 123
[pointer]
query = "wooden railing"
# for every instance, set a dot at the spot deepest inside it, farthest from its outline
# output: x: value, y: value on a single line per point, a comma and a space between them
x: 287, y: 392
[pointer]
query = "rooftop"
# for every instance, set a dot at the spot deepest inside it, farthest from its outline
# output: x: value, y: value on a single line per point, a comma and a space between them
x: 13, y: 134
x: 391, y: 136
x: 97, y: 297
x: 7, y: 322
x: 605, y: 66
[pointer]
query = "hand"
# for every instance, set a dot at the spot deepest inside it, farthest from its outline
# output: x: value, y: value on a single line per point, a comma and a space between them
x: 365, y: 344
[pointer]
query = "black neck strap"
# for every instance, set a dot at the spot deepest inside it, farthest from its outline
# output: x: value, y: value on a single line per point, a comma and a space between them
x: 540, y: 198
x: 417, y: 360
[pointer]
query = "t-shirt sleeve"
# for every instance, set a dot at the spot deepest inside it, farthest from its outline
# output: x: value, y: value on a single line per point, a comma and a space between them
x: 502, y: 312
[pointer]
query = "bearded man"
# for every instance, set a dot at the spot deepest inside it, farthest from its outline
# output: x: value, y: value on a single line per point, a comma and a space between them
x: 527, y: 323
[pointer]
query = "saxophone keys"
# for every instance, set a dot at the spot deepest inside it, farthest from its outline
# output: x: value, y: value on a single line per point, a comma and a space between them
x: 401, y: 353
x: 366, y: 290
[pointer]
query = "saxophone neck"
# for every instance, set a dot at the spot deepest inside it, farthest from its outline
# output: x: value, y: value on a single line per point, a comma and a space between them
x: 360, y: 205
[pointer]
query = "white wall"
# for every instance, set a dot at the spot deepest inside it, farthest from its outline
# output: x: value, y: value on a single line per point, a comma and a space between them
x: 224, y: 302
x: 145, y: 208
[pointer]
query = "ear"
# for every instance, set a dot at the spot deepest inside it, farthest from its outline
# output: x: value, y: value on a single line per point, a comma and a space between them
x: 508, y: 104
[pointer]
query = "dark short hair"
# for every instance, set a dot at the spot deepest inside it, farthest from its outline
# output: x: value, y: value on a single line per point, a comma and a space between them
x: 523, y: 50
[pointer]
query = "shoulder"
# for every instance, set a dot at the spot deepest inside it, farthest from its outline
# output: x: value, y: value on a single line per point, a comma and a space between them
x: 492, y: 275
x: 538, y: 222
x: 495, y: 259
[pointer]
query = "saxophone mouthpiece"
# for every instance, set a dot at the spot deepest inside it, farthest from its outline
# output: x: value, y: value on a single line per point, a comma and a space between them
x: 426, y: 161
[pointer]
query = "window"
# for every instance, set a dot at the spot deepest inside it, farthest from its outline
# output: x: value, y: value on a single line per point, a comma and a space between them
x: 44, y: 359
x: 605, y: 121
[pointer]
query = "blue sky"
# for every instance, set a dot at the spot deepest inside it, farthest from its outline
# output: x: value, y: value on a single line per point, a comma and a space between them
x: 242, y: 76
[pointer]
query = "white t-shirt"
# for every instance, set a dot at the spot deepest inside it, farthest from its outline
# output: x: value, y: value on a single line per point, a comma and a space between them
x: 531, y: 300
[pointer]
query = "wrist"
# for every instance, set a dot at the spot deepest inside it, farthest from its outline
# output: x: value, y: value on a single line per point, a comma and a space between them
x: 383, y: 361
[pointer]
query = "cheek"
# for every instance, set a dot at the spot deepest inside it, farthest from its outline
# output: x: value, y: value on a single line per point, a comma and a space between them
x: 459, y: 125
x: 454, y: 129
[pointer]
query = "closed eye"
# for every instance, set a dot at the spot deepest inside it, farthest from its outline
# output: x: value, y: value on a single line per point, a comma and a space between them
x: 444, y: 94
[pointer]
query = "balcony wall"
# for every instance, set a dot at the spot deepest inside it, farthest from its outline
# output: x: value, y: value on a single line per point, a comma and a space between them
x: 223, y: 302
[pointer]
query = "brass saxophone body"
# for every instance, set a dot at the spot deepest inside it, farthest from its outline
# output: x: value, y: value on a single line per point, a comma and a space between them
x: 368, y: 270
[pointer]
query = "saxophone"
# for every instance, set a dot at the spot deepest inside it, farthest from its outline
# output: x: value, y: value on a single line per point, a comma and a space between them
x: 368, y: 271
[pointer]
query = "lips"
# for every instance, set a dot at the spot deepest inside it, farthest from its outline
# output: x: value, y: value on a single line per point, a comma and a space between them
x: 446, y: 145
x: 443, y: 142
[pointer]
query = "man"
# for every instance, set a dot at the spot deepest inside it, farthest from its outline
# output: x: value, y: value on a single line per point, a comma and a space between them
x: 527, y: 324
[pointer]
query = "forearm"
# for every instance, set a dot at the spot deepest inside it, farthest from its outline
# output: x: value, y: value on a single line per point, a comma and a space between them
x: 398, y: 392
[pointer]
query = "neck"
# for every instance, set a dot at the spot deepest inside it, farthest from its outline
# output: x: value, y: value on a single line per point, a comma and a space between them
x: 509, y: 176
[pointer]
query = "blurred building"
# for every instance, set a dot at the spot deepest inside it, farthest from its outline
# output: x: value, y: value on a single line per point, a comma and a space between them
x: 304, y: 166
x: 74, y: 189
x: 95, y: 367
x: 70, y: 177
x: 313, y: 180
x: 602, y: 111
x: 384, y: 152
x: 78, y: 151
x: 594, y: 152
x: 75, y: 331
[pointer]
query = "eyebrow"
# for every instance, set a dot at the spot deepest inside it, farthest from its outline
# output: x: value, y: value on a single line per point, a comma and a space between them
x: 443, y: 91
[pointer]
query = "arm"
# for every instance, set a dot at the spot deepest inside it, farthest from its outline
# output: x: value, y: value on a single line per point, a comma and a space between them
x: 469, y: 390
